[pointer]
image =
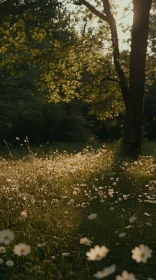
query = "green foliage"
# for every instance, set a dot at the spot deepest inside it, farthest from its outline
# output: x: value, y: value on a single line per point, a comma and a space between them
x: 46, y: 61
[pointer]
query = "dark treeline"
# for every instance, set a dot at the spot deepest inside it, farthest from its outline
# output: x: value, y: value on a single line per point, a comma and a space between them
x: 66, y: 122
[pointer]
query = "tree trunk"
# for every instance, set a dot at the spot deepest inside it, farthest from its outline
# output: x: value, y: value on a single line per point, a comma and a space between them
x: 132, y: 92
x: 132, y: 136
x: 135, y: 99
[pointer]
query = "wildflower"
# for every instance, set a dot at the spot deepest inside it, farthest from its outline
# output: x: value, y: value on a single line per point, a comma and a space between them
x: 106, y: 271
x: 126, y: 276
x: 75, y: 192
x: 65, y: 254
x: 2, y: 250
x: 22, y: 249
x: 41, y: 245
x: 9, y: 263
x: 147, y: 214
x: 141, y: 253
x: 78, y: 205
x: 122, y: 234
x: 97, y: 253
x: 1, y: 261
x: 6, y: 236
x: 85, y: 241
x: 24, y: 214
x: 110, y: 192
x: 71, y: 201
x: 148, y: 224
x: 132, y: 219
x: 92, y: 216
x: 129, y: 226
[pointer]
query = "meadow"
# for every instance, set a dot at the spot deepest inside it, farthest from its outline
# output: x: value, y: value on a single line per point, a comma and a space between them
x: 77, y: 214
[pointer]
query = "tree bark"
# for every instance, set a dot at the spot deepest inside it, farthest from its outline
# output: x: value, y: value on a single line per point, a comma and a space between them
x: 135, y: 101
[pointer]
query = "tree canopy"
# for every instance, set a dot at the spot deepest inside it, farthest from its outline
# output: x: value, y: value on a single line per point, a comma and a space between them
x: 52, y: 56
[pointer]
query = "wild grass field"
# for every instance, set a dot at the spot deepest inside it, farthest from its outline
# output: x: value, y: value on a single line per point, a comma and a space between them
x: 77, y: 215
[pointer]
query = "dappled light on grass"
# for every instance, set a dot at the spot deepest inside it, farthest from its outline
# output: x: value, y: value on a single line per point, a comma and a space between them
x: 81, y: 215
x: 144, y: 167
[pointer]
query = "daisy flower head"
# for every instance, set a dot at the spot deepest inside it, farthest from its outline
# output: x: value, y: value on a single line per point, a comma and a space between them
x: 22, y: 249
x: 2, y: 250
x: 9, y: 263
x: 126, y: 276
x: 6, y: 236
x: 24, y: 214
x: 85, y: 241
x: 65, y: 254
x: 1, y: 261
x: 97, y: 253
x: 105, y: 272
x: 92, y: 216
x: 132, y: 219
x: 141, y: 253
x: 122, y: 234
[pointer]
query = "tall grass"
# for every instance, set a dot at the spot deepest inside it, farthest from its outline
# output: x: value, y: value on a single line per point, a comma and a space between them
x: 46, y: 201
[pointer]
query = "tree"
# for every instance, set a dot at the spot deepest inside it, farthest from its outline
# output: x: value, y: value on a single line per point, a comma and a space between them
x: 39, y: 67
x: 132, y: 88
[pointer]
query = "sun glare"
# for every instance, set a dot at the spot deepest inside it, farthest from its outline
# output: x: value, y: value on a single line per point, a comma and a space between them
x: 123, y: 15
x: 124, y: 18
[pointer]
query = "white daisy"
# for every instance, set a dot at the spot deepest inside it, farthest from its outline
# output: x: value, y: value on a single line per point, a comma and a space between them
x: 97, y: 253
x: 6, y: 236
x: 141, y: 253
x: 65, y: 254
x: 1, y: 261
x: 106, y: 271
x: 9, y: 263
x: 132, y: 219
x: 147, y: 214
x: 2, y: 250
x: 122, y: 234
x: 126, y: 276
x: 24, y: 214
x: 92, y: 216
x: 22, y: 249
x: 85, y: 241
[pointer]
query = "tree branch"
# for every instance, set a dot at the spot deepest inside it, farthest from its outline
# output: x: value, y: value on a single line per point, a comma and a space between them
x: 113, y: 80
x: 84, y: 27
x: 106, y: 6
x: 116, y: 52
x: 93, y: 9
x: 108, y: 17
x: 108, y: 78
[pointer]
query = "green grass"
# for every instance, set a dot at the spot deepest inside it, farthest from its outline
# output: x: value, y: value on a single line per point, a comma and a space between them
x: 58, y: 191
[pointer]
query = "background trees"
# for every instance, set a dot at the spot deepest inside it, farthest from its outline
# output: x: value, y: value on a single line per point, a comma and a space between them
x: 57, y: 80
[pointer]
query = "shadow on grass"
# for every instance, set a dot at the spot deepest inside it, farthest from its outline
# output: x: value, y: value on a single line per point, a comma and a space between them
x: 132, y: 196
